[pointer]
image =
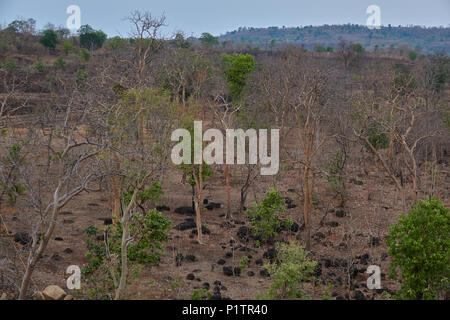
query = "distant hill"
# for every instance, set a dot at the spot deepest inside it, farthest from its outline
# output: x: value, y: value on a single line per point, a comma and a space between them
x: 432, y: 39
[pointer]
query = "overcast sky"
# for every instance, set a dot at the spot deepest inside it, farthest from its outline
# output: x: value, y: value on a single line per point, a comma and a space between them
x: 196, y: 16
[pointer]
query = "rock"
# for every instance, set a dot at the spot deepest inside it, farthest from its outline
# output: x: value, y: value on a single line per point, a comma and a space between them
x: 221, y: 261
x: 287, y: 200
x: 205, y: 230
x: 188, y: 224
x: 295, y: 227
x: 358, y: 295
x: 264, y: 273
x: 318, y: 270
x: 270, y: 254
x: 319, y: 235
x: 68, y: 250
x: 69, y: 297
x: 162, y: 208
x: 333, y: 224
x: 364, y: 259
x: 216, y: 296
x: 54, y: 292
x: 327, y: 263
x: 190, y: 276
x: 228, y: 271
x: 357, y: 182
x: 190, y: 258
x: 213, y: 205
x: 374, y: 241
x: 23, y: 238
x: 56, y: 257
x: 107, y: 221
x: 185, y: 210
x: 340, y: 213
x: 243, y: 233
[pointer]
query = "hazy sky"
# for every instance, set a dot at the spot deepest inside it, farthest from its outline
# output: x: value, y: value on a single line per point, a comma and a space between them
x: 214, y: 16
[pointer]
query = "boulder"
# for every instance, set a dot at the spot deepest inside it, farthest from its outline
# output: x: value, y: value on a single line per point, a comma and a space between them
x: 54, y: 292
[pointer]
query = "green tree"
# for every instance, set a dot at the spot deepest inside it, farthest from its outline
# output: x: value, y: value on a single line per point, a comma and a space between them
x: 289, y: 271
x: 420, y: 248
x: 90, y: 38
x: 412, y: 55
x: 208, y: 39
x: 264, y: 218
x: 67, y: 47
x: 49, y: 38
x: 237, y: 68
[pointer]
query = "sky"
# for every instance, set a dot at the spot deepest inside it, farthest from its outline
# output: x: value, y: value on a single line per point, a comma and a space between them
x: 217, y: 17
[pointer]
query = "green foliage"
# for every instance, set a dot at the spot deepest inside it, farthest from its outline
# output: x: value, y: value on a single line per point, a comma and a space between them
x: 357, y: 47
x: 412, y: 55
x: 84, y: 55
x: 319, y: 48
x: 403, y: 81
x: 193, y: 170
x: 80, y: 78
x: 11, y: 186
x: 201, y: 294
x: 39, y: 65
x: 117, y: 43
x: 49, y: 38
x: 90, y: 38
x: 10, y: 64
x: 67, y: 47
x: 288, y: 271
x: 237, y: 68
x: 59, y: 63
x: 330, y: 49
x: 264, y: 218
x: 148, y: 232
x: 379, y: 140
x: 208, y: 39
x: 244, y: 263
x: 335, y: 172
x: 419, y: 244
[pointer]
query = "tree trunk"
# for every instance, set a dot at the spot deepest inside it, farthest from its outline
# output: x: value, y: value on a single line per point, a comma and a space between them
x: 227, y: 184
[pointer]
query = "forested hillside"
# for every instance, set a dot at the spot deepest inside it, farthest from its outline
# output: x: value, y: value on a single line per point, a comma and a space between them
x: 386, y: 38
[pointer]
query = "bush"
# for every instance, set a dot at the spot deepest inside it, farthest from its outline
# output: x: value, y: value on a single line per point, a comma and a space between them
x: 59, y: 63
x: 67, y: 47
x: 264, y: 217
x: 290, y: 269
x: 90, y: 38
x: 84, y: 55
x: 49, y: 38
x: 420, y: 247
x: 39, y: 66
